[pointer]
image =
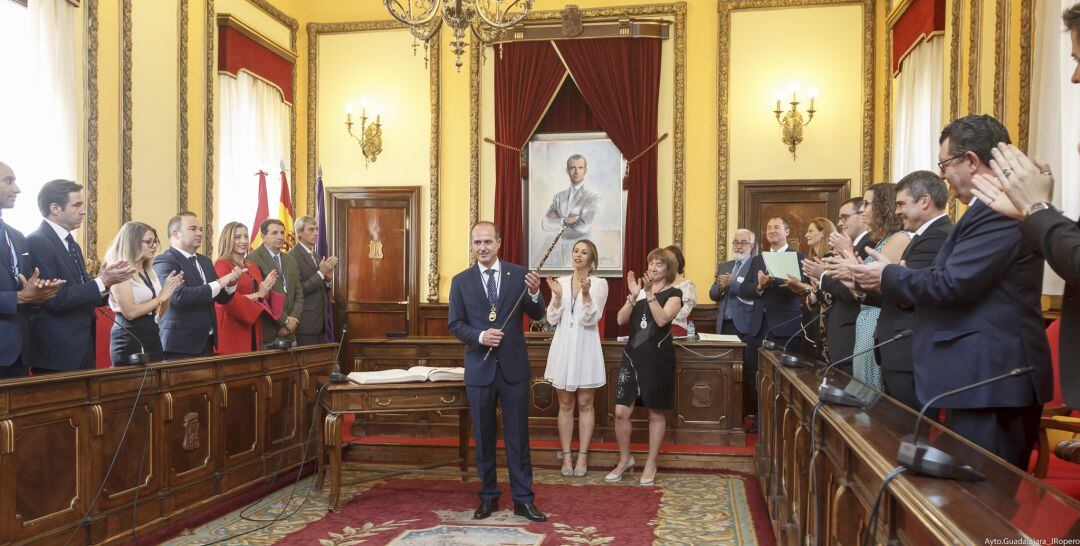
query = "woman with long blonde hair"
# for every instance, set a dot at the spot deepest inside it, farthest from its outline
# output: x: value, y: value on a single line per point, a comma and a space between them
x: 140, y: 301
x: 238, y: 319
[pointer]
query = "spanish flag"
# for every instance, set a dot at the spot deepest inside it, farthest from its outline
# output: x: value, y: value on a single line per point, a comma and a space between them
x: 285, y: 211
x: 261, y: 213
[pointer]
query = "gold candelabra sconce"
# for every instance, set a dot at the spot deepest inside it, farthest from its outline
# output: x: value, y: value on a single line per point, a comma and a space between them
x: 370, y: 139
x: 791, y: 121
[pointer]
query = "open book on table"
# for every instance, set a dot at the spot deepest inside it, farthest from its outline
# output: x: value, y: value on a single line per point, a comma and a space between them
x: 415, y: 374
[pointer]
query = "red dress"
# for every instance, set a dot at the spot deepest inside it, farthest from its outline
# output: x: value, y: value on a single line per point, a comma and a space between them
x: 238, y: 320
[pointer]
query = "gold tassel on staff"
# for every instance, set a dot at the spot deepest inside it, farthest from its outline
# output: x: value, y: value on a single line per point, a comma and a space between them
x: 526, y: 289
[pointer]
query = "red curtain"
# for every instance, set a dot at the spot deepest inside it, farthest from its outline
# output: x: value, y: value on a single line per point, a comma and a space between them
x: 619, y: 78
x: 569, y: 113
x: 921, y: 19
x: 527, y: 75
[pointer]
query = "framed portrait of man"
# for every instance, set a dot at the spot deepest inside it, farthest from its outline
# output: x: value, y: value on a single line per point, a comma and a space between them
x: 575, y: 180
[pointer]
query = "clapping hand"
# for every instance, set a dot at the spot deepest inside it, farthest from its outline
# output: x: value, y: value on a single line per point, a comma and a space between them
x: 555, y: 286
x: 633, y: 284
x: 813, y: 268
x: 233, y: 276
x: 172, y: 282
x: 268, y: 284
x: 116, y: 273
x: 763, y: 281
x: 36, y: 290
x: 327, y: 265
x: 724, y: 280
x: 586, y: 284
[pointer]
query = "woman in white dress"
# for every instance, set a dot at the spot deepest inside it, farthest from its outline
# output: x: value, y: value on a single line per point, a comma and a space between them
x: 575, y: 365
x: 681, y: 323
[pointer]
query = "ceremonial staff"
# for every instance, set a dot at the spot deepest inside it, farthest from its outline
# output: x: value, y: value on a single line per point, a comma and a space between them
x: 526, y: 289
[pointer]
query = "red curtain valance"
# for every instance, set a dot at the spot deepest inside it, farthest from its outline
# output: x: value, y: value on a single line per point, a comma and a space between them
x: 922, y: 18
x: 237, y: 51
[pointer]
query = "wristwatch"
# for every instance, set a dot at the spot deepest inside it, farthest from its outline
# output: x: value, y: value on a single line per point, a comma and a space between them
x: 1041, y: 205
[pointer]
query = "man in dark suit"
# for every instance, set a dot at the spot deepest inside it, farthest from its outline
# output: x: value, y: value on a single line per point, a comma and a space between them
x: 316, y: 276
x: 921, y: 198
x: 1023, y: 189
x: 482, y: 299
x: 733, y: 314
x: 777, y: 309
x: 977, y: 309
x: 18, y: 295
x: 269, y: 257
x: 189, y: 325
x: 62, y: 338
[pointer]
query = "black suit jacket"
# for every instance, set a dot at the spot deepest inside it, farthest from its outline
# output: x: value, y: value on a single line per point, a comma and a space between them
x: 62, y: 336
x: 843, y: 310
x: 1057, y: 238
x: 977, y: 315
x: 777, y: 306
x: 14, y: 327
x: 190, y: 316
x: 895, y: 316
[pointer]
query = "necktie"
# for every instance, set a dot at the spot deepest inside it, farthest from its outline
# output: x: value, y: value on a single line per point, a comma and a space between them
x: 76, y: 257
x: 7, y: 250
x: 280, y: 274
x: 195, y: 263
x: 492, y: 291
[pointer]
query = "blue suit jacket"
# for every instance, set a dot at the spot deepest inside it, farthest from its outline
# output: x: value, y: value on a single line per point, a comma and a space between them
x: 190, y: 316
x: 778, y: 303
x: 14, y: 330
x: 728, y: 298
x: 469, y: 310
x: 977, y: 315
x: 62, y: 337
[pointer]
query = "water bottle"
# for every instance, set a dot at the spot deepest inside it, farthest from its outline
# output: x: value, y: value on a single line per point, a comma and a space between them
x: 691, y: 332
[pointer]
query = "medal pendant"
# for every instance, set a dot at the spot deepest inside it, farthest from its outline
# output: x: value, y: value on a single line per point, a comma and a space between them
x: 644, y: 323
x: 491, y: 315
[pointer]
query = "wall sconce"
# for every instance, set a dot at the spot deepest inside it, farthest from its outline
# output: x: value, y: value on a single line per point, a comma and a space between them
x: 370, y: 139
x: 792, y: 122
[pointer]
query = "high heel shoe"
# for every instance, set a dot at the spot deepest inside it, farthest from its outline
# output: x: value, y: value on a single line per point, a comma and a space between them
x: 581, y: 473
x: 566, y: 472
x: 613, y: 477
x: 642, y: 480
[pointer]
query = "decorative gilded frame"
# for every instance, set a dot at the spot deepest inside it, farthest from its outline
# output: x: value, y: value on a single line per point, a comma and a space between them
x: 974, y: 31
x: 314, y: 31
x: 725, y: 7
x: 954, y: 61
x: 1027, y: 45
x: 211, y: 77
x: 92, y: 23
x: 677, y: 11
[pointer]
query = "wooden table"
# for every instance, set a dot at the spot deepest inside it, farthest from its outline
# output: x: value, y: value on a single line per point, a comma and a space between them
x: 338, y: 399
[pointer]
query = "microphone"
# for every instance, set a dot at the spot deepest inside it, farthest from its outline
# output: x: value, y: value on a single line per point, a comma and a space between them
x: 136, y: 359
x: 835, y: 394
x: 280, y: 344
x: 767, y: 344
x: 335, y: 373
x: 794, y: 361
x: 931, y: 461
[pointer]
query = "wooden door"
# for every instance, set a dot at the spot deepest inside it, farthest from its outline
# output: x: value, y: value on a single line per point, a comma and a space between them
x: 375, y: 237
x: 800, y: 201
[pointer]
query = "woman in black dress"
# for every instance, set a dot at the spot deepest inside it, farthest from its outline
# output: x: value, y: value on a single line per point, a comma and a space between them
x: 647, y: 372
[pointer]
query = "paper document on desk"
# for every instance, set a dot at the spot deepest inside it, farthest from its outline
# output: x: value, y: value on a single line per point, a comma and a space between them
x: 782, y: 264
x: 415, y: 374
x: 722, y: 338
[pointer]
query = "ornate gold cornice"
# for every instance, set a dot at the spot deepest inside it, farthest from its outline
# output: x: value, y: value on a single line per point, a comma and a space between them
x: 1027, y: 37
x: 182, y: 61
x: 314, y: 31
x: 725, y: 7
x: 974, y: 29
x: 125, y: 111
x: 1001, y: 58
x: 91, y: 17
x: 208, y: 175
x: 677, y: 11
x: 954, y: 62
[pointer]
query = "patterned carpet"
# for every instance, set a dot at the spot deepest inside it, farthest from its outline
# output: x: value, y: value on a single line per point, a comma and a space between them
x: 435, y: 508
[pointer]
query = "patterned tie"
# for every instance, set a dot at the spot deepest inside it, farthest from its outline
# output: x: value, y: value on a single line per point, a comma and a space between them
x: 76, y: 257
x: 280, y: 274
x: 492, y: 291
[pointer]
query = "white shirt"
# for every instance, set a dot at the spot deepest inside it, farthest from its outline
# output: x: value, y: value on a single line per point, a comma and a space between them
x: 498, y: 284
x: 855, y: 243
x: 781, y: 249
x: 313, y: 259
x: 922, y: 229
x: 63, y: 235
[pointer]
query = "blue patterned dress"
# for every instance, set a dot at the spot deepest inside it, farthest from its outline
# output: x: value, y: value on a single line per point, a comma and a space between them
x: 865, y: 365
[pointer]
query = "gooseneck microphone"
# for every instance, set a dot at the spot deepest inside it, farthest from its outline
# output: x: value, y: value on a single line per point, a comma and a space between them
x: 135, y: 359
x: 835, y: 394
x: 771, y: 345
x: 794, y: 361
x: 335, y: 373
x: 931, y: 461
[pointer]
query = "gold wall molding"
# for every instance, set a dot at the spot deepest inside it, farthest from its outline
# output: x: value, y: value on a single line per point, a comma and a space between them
x: 125, y: 111
x: 208, y: 160
x: 886, y: 155
x: 1027, y: 41
x: 725, y: 7
x: 1003, y: 16
x: 974, y: 30
x: 314, y: 31
x: 954, y: 62
x: 91, y: 21
x: 677, y: 11
x: 182, y: 140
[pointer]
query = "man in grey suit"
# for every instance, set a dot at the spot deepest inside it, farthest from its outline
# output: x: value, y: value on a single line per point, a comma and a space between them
x: 733, y: 314
x: 575, y: 207
x: 269, y: 257
x: 316, y: 277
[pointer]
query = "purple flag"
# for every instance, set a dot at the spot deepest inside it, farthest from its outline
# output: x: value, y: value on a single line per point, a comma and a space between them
x: 323, y: 249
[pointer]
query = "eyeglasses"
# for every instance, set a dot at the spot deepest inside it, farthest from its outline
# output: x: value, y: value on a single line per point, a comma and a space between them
x: 941, y: 164
x: 740, y: 243
x: 150, y: 242
x: 844, y: 217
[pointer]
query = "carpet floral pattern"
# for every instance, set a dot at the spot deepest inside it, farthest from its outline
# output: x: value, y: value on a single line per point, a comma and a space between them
x: 435, y: 508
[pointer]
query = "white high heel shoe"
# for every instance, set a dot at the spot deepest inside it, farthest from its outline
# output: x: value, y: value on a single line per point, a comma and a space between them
x: 613, y: 477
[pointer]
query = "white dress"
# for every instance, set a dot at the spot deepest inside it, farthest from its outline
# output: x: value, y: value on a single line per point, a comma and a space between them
x: 576, y: 359
x: 689, y: 299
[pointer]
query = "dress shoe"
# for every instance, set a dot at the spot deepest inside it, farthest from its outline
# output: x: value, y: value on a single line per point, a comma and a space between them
x: 614, y: 476
x: 486, y: 508
x: 529, y: 511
